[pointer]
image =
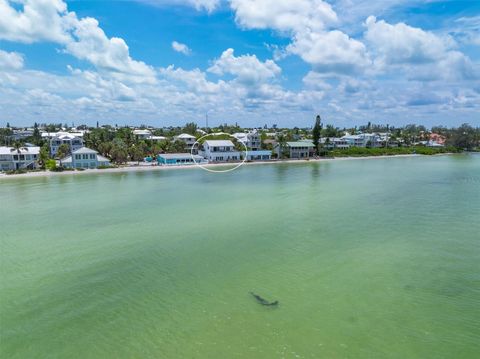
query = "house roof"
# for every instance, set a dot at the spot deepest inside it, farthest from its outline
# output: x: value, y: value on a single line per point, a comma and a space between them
x: 84, y: 150
x: 172, y: 156
x: 100, y: 158
x: 219, y: 143
x: 259, y: 152
x: 300, y: 144
x: 31, y: 150
x: 158, y: 138
x: 185, y: 135
x: 142, y: 132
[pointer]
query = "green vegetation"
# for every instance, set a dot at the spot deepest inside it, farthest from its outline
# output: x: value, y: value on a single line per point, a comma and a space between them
x: 50, y: 165
x: 390, y: 151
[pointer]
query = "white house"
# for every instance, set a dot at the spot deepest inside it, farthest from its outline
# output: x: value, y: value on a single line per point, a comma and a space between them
x: 220, y: 151
x: 298, y: 149
x: 24, y: 158
x: 334, y: 143
x: 366, y: 140
x: 142, y: 134
x: 84, y: 158
x: 250, y: 139
x: 74, y: 142
x: 188, y: 139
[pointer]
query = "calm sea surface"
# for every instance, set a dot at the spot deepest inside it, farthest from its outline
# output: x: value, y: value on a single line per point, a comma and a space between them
x: 368, y: 259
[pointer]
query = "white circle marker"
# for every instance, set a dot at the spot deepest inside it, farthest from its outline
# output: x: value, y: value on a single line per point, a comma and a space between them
x: 218, y: 171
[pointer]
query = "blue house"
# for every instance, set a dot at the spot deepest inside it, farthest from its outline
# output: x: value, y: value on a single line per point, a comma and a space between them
x: 178, y: 159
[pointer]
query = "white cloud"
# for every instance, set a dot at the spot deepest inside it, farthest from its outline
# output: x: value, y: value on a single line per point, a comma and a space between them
x: 422, y: 54
x: 10, y: 60
x: 247, y: 69
x: 89, y: 42
x: 39, y: 20
x: 401, y: 43
x: 49, y: 20
x: 315, y: 80
x: 195, y: 80
x: 332, y: 51
x: 182, y: 48
x: 307, y: 23
x: 283, y: 15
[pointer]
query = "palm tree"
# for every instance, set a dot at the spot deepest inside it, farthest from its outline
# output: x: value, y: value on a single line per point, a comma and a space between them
x: 18, y: 147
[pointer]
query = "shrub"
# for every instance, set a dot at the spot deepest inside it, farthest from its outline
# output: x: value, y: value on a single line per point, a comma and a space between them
x: 50, y: 165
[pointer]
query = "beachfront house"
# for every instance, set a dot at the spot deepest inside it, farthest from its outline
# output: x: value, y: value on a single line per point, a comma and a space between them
x: 296, y: 150
x: 219, y: 151
x: 179, y: 159
x: 84, y: 158
x: 250, y: 139
x: 259, y: 155
x: 331, y: 143
x: 74, y: 142
x: 366, y: 140
x: 189, y: 141
x: 23, y: 158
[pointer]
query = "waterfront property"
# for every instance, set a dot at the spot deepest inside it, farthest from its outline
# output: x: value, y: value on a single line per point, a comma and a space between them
x: 296, y: 150
x: 250, y: 139
x: 331, y: 143
x: 373, y: 140
x: 84, y: 158
x: 23, y: 158
x: 259, y: 155
x: 189, y: 141
x: 73, y: 142
x: 176, y: 159
x: 219, y: 151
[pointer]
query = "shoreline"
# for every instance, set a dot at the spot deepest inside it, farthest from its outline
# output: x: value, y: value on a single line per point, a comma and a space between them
x: 140, y: 168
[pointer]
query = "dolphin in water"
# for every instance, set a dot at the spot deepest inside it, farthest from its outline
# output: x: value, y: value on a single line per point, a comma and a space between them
x: 263, y: 301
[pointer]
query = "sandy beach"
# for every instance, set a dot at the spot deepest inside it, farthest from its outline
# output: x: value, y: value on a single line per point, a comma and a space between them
x: 142, y: 168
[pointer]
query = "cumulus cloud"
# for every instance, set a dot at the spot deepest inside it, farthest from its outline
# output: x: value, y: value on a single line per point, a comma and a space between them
x: 401, y: 43
x: 38, y: 20
x: 49, y: 20
x: 283, y: 15
x: 423, y: 54
x: 306, y: 22
x: 182, y: 48
x: 248, y: 69
x: 332, y: 51
x: 89, y: 42
x: 10, y: 60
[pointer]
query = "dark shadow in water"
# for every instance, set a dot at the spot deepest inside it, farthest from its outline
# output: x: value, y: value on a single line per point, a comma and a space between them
x: 263, y: 301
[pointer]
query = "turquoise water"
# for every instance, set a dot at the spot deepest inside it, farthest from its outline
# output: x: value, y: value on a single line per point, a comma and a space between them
x: 368, y: 259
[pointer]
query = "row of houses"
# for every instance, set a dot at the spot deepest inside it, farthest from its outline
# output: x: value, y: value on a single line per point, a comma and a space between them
x: 26, y: 158
x: 211, y: 151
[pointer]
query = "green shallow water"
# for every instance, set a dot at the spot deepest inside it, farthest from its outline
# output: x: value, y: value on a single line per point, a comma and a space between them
x: 369, y: 259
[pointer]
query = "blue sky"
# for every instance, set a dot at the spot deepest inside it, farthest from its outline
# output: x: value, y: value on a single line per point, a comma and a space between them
x: 255, y: 62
